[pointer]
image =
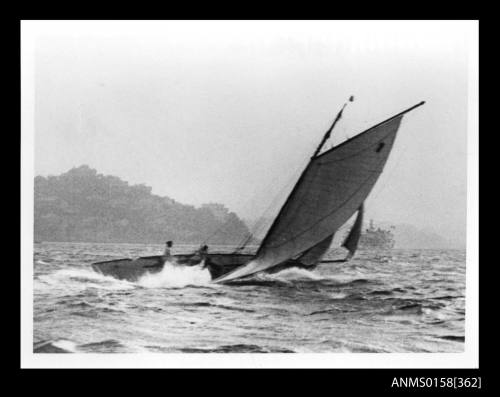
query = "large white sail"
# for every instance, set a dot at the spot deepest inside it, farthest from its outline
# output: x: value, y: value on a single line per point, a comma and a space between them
x: 331, y: 189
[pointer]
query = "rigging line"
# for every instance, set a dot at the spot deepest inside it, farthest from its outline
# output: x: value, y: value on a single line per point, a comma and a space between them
x: 215, y: 232
x: 259, y: 224
x: 246, y: 238
x: 260, y: 221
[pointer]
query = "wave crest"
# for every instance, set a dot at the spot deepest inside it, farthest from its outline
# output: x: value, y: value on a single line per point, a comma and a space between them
x: 176, y: 276
x: 80, y: 279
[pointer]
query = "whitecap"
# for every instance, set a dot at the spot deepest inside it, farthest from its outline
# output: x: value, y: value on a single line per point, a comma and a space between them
x: 175, y: 276
x: 293, y: 273
x: 81, y: 279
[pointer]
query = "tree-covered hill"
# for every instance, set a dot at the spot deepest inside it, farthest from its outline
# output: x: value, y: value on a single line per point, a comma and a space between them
x: 82, y: 205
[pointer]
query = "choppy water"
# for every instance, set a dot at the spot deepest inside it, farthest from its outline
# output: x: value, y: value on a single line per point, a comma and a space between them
x: 386, y: 301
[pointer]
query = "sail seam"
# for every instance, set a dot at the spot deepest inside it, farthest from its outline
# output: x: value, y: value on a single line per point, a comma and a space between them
x: 327, y: 215
x: 370, y: 170
x: 301, y: 199
x: 355, y: 154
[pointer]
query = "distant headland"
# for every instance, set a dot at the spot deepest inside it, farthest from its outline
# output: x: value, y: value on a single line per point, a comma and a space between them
x: 83, y: 205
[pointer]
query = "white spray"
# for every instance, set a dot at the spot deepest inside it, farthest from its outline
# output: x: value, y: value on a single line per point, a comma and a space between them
x: 176, y: 276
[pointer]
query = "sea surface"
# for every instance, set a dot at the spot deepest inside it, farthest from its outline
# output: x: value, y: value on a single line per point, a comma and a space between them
x: 380, y: 301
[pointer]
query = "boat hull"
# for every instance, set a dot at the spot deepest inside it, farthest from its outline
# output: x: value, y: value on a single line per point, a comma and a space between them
x: 217, y: 264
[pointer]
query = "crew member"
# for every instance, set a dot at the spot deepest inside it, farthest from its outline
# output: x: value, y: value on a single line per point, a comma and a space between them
x: 203, y: 251
x: 166, y: 254
x: 199, y: 255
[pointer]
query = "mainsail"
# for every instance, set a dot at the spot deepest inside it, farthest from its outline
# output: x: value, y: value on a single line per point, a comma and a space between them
x: 331, y: 189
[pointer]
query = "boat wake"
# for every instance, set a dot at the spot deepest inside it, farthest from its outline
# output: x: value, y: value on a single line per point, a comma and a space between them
x: 171, y: 276
x: 293, y: 274
x: 175, y: 276
x: 296, y: 274
x: 80, y: 279
x: 286, y: 277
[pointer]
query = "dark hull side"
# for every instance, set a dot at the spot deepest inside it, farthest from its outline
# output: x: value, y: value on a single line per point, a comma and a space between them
x: 218, y: 264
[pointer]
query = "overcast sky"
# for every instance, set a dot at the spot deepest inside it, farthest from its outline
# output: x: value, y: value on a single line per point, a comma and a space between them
x: 230, y: 112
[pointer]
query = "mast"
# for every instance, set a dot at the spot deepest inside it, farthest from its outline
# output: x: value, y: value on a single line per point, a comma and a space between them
x: 325, y: 138
x: 327, y: 133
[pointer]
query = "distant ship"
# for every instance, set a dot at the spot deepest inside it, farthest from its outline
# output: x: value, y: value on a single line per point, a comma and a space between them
x: 377, y: 238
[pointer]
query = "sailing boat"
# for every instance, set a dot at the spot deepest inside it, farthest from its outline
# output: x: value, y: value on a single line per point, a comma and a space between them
x: 331, y: 189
